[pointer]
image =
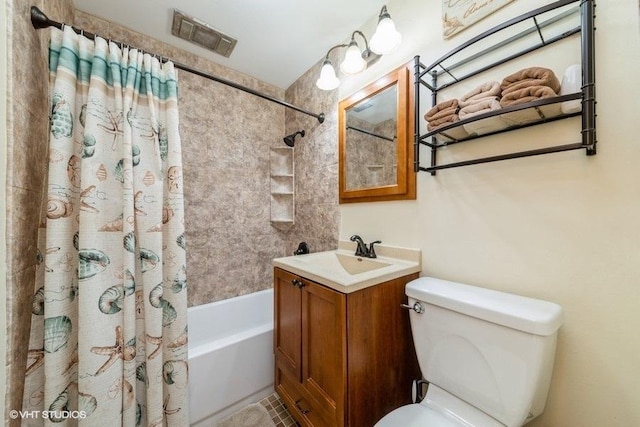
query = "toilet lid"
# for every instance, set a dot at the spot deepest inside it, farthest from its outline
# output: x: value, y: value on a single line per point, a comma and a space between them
x: 417, y: 415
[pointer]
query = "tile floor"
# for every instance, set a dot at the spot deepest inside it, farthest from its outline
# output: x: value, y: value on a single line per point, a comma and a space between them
x: 278, y: 412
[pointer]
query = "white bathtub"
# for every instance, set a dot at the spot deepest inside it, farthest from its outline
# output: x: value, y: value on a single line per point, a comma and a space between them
x: 230, y: 355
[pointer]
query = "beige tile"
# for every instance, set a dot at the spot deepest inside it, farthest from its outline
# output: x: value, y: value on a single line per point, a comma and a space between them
x: 20, y: 289
x: 29, y: 72
x: 279, y: 414
x: 23, y: 212
x: 59, y: 10
x: 91, y: 23
x: 28, y: 149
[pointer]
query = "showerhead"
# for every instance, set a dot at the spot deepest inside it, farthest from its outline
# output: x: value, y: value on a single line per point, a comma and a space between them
x: 290, y: 139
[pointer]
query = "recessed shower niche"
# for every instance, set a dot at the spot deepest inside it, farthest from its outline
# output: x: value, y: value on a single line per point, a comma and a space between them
x: 282, y: 187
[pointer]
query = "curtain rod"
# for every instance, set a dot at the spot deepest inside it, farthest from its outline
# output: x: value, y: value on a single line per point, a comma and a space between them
x: 371, y: 133
x: 39, y: 20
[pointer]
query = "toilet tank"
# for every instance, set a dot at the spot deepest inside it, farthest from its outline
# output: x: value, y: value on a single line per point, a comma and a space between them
x: 490, y: 349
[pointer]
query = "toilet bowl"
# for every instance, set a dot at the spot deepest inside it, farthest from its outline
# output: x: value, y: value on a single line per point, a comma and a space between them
x: 487, y: 356
x: 438, y: 409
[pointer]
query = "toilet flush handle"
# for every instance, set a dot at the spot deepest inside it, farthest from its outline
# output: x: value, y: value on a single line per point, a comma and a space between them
x: 417, y: 307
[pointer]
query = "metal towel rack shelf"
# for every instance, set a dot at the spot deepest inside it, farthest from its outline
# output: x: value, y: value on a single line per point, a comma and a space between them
x: 463, y: 68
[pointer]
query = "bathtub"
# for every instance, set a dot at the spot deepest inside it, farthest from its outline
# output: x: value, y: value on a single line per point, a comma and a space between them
x: 231, y: 362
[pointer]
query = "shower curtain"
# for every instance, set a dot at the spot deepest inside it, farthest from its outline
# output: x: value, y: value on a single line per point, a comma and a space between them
x: 109, y: 312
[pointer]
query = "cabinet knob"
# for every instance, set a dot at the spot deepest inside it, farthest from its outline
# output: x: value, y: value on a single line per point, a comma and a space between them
x: 297, y: 282
x: 302, y: 411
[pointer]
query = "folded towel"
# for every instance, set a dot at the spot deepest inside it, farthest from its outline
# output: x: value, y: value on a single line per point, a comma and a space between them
x: 527, y: 77
x: 483, y: 91
x: 480, y: 106
x: 527, y: 94
x: 442, y: 114
x: 530, y: 115
x: 433, y: 125
x: 442, y: 109
x: 454, y: 134
x: 488, y: 125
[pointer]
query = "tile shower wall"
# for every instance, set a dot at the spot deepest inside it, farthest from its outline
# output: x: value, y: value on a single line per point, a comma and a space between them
x: 27, y: 124
x: 316, y: 162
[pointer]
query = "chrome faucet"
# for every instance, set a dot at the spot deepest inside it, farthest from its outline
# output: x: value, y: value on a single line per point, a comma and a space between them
x: 361, y: 248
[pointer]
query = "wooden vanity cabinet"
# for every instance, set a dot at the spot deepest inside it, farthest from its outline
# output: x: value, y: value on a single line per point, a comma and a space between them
x: 342, y: 359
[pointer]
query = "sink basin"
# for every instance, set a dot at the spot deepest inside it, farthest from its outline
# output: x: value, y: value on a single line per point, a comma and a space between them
x: 343, y: 271
x: 357, y: 265
x: 351, y: 264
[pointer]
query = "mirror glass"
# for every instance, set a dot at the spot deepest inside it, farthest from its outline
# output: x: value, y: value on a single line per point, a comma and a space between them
x: 375, y: 141
x: 371, y: 141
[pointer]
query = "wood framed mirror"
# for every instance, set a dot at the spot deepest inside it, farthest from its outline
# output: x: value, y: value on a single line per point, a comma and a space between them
x: 375, y: 141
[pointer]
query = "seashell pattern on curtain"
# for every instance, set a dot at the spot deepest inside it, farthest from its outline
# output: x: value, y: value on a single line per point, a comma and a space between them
x: 108, y: 342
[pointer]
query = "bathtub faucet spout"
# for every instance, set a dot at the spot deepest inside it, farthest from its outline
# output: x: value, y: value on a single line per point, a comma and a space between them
x: 303, y: 248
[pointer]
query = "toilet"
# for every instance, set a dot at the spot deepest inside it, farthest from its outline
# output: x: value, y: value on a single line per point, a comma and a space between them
x: 487, y: 356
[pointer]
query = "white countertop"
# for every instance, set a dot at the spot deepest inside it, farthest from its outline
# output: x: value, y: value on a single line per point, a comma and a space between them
x: 327, y: 267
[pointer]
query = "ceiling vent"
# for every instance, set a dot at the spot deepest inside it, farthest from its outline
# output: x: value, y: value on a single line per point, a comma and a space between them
x: 200, y: 33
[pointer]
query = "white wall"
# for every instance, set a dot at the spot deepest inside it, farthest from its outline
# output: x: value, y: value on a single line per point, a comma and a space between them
x: 562, y: 227
x: 3, y: 168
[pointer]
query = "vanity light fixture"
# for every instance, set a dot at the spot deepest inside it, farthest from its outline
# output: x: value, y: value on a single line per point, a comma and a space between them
x: 384, y: 40
x: 354, y: 60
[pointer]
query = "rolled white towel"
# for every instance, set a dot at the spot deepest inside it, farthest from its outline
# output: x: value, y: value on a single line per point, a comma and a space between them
x: 571, y: 83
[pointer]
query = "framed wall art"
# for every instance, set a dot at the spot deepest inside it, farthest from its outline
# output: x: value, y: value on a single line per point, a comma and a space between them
x: 460, y: 14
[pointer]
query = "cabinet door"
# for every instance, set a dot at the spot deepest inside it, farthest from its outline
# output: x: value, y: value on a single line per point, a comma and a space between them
x: 288, y: 332
x: 324, y: 350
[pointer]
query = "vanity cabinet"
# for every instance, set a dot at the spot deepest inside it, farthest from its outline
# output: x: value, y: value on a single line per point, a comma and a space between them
x: 342, y: 359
